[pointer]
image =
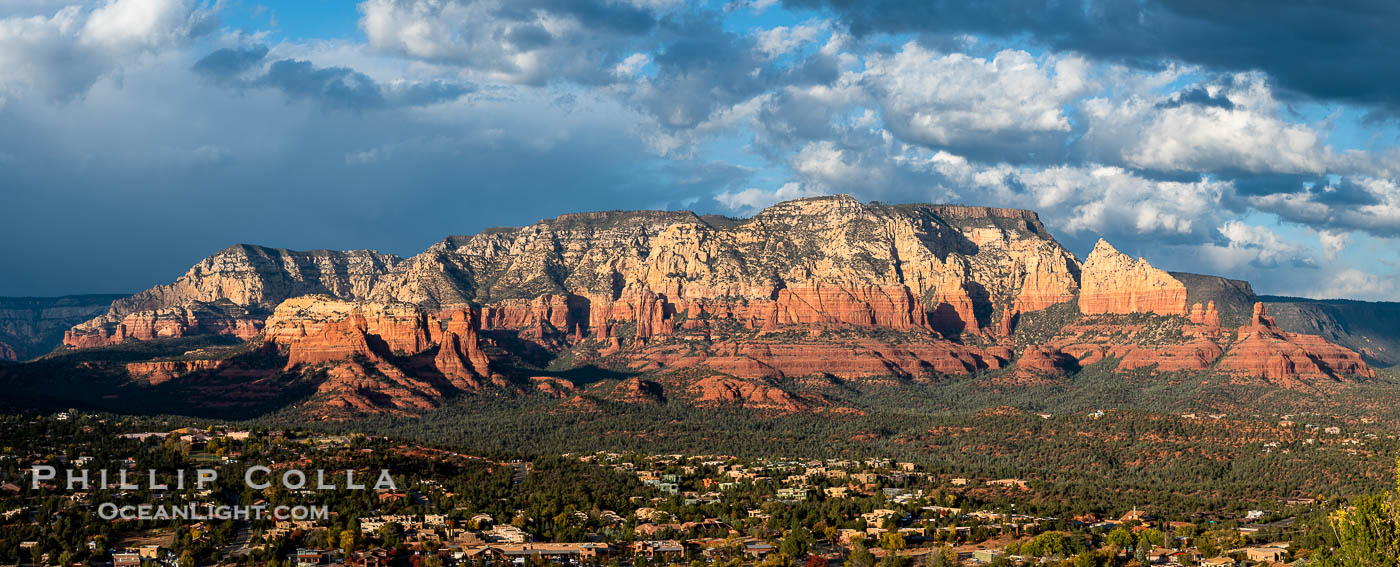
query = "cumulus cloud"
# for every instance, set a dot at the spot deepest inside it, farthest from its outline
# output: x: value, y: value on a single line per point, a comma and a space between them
x: 1349, y: 56
x: 1353, y: 203
x: 1206, y: 128
x: 1261, y: 245
x: 777, y: 41
x: 1357, y: 284
x: 526, y: 42
x: 1010, y: 100
x: 1086, y: 200
x: 62, y: 55
x: 1333, y: 242
x: 127, y: 24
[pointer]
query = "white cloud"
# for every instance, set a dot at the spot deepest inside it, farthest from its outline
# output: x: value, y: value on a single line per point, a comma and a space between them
x: 1352, y: 283
x: 752, y: 200
x: 64, y: 54
x: 1104, y: 200
x: 1333, y: 242
x: 1359, y: 203
x: 777, y: 41
x: 1261, y: 245
x: 630, y: 66
x: 124, y: 24
x: 1208, y: 127
x: 490, y: 41
x: 938, y: 99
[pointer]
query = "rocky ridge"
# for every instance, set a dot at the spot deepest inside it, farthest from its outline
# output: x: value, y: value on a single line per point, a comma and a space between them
x: 710, y: 310
x: 33, y: 326
x: 232, y: 292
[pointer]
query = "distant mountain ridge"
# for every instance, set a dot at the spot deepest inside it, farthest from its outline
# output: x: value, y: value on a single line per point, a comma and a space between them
x: 34, y: 326
x: 674, y: 307
x: 1368, y: 327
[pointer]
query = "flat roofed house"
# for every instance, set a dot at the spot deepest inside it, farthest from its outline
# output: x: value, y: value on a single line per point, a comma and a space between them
x: 1265, y: 553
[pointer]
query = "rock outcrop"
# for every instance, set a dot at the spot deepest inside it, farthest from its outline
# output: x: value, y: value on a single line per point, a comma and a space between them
x: 232, y: 292
x: 638, y: 391
x: 1042, y: 360
x: 34, y: 326
x: 747, y: 393
x: 168, y: 322
x: 401, y: 327
x: 1233, y: 299
x: 1367, y: 327
x: 354, y: 342
x: 158, y: 372
x: 1207, y: 315
x: 1113, y: 282
x: 1289, y: 359
x: 460, y: 357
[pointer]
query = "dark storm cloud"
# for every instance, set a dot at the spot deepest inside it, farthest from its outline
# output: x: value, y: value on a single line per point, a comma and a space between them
x: 230, y: 62
x: 1344, y: 51
x: 288, y: 183
x: 339, y: 87
x: 702, y: 68
x: 1268, y: 184
x: 1198, y: 96
x: 333, y: 87
x: 528, y: 37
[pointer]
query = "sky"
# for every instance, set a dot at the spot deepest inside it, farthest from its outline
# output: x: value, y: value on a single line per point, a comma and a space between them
x: 1253, y: 140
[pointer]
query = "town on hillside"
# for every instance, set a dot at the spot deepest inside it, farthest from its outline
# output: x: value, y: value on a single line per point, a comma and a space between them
x: 448, y: 508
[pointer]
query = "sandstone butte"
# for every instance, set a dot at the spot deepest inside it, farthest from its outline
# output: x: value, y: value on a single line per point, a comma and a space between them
x: 1289, y: 359
x: 821, y: 286
x: 1113, y: 282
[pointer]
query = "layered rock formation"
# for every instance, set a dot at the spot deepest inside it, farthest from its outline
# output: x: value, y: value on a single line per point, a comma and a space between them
x: 168, y: 322
x: 1289, y: 359
x: 460, y: 357
x: 1041, y: 360
x: 401, y: 327
x: 232, y: 292
x: 1113, y: 282
x: 34, y: 326
x: 748, y: 393
x: 711, y: 310
x: 158, y: 372
x: 355, y: 343
x: 828, y: 259
x: 1370, y: 328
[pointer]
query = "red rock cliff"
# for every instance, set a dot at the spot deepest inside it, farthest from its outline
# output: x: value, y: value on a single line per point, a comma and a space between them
x: 1262, y: 350
x: 1112, y: 282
